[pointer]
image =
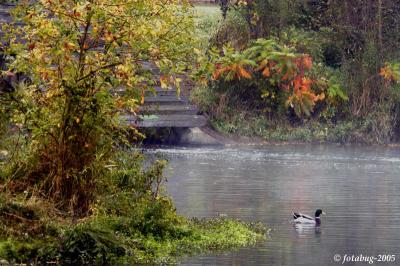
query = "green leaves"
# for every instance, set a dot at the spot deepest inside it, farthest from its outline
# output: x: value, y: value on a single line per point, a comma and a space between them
x: 391, y: 72
x: 76, y: 55
x: 268, y: 69
x: 334, y: 90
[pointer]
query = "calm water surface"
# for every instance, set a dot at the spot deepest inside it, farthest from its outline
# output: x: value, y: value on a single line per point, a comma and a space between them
x: 358, y: 188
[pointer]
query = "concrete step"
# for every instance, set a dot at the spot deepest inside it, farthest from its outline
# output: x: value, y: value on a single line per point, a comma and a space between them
x: 153, y: 92
x: 161, y: 92
x: 5, y: 12
x: 164, y: 100
x: 6, y: 9
x: 146, y: 65
x: 5, y: 16
x: 168, y: 121
x: 169, y: 109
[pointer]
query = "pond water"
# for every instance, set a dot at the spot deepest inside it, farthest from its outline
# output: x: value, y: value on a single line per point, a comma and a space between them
x: 358, y: 188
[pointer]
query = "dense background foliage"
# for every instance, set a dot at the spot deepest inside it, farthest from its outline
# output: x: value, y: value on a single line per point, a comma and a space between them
x: 349, y: 42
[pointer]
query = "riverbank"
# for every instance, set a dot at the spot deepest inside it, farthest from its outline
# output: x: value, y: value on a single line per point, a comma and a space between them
x: 240, y: 123
x: 257, y: 129
x: 131, y: 222
x: 280, y: 138
x: 109, y: 240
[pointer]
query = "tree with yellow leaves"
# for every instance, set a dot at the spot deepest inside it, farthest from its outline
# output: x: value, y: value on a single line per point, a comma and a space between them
x: 77, y: 53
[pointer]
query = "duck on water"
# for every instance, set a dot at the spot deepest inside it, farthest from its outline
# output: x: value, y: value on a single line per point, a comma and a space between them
x: 300, y: 218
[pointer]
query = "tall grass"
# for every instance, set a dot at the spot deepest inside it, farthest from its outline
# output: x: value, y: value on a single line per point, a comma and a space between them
x: 207, y: 20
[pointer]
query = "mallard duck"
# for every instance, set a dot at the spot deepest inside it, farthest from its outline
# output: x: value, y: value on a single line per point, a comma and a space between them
x: 300, y: 218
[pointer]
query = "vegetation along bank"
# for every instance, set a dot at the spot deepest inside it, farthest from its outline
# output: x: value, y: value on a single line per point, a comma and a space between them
x: 308, y: 71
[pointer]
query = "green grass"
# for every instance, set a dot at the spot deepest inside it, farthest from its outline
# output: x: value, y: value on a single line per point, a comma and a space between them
x: 212, y: 11
x: 207, y: 19
x: 130, y: 223
x: 113, y: 239
x: 248, y: 125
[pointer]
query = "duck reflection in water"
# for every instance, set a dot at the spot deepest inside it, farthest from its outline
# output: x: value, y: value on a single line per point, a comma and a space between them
x: 307, y: 229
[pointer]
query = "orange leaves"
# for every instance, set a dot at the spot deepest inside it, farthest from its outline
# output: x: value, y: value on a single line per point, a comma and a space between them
x: 241, y: 72
x: 386, y: 72
x: 44, y: 75
x: 303, y: 62
x: 289, y: 72
x: 303, y: 98
x: 302, y: 85
x: 234, y: 71
x: 266, y: 66
x: 271, y: 66
x: 263, y: 64
x: 286, y: 68
x: 142, y: 98
x: 306, y: 84
x: 297, y: 83
x: 307, y: 62
x: 232, y: 65
x: 270, y: 69
x: 164, y: 82
x: 391, y: 72
x: 217, y: 73
x: 69, y: 46
x: 320, y: 97
x: 266, y: 73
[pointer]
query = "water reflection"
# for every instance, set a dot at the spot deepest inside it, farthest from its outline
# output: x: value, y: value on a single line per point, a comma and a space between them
x: 305, y: 230
x: 358, y: 187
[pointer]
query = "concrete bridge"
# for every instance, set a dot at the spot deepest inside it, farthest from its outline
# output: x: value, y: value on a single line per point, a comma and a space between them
x: 165, y: 108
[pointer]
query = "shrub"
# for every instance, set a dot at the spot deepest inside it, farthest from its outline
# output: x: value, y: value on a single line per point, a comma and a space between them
x: 69, y: 110
x: 268, y: 76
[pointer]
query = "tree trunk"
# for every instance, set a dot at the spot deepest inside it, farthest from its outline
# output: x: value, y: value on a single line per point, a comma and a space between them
x: 379, y: 30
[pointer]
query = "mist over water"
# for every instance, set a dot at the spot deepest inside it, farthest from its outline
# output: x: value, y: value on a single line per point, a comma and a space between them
x: 358, y: 188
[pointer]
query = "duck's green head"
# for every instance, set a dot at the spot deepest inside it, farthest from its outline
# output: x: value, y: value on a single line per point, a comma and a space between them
x: 318, y: 213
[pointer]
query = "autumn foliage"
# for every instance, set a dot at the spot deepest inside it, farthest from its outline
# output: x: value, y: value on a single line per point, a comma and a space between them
x: 391, y: 72
x: 84, y: 60
x: 277, y: 67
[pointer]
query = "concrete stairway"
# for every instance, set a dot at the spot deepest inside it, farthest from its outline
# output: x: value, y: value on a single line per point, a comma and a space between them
x: 165, y: 108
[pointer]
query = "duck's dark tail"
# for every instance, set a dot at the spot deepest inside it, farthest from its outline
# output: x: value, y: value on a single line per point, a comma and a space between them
x: 296, y: 215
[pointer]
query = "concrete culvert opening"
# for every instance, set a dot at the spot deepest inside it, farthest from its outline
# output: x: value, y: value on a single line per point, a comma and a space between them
x: 178, y: 136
